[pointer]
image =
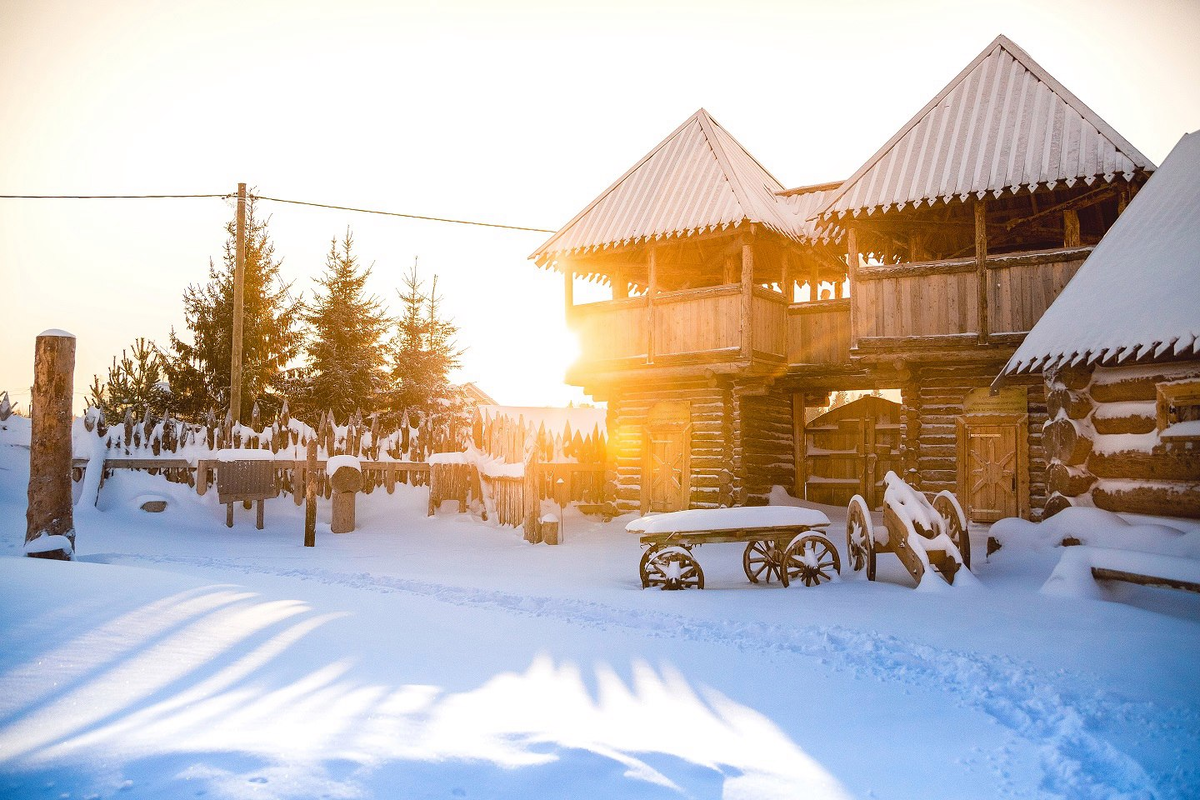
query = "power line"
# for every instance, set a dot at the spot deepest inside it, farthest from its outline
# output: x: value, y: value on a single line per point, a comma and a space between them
x: 227, y: 196
x: 110, y: 196
x: 406, y: 216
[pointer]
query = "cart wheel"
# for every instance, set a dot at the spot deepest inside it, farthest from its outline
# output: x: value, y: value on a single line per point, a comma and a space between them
x: 761, y: 560
x: 811, y: 559
x: 673, y: 568
x: 860, y: 536
x: 644, y: 564
x: 947, y: 507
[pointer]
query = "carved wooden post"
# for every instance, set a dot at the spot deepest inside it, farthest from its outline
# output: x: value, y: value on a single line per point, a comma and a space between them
x: 852, y: 274
x: 346, y: 479
x: 981, y: 267
x: 651, y: 290
x: 747, y: 304
x: 310, y: 496
x: 49, y: 512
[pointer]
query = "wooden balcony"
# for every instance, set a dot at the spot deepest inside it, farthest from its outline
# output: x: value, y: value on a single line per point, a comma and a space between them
x: 898, y: 310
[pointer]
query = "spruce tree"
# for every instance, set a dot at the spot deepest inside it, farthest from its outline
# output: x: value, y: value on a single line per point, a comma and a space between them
x: 346, y: 354
x: 199, y: 370
x: 423, y: 349
x: 135, y: 383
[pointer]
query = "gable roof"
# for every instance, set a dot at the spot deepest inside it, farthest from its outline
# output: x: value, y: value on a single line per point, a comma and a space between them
x: 697, y: 179
x: 1138, y: 293
x: 1002, y: 123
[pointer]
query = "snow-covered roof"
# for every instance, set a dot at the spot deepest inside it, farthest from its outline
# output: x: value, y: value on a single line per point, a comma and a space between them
x: 1138, y: 293
x: 697, y: 179
x: 1003, y: 123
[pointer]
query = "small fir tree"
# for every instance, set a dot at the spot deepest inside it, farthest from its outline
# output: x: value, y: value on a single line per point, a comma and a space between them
x: 135, y: 383
x: 347, y: 363
x: 199, y: 370
x: 423, y: 350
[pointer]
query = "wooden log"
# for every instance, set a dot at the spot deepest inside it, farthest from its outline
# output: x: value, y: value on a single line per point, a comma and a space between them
x: 1129, y: 389
x: 1054, y: 504
x: 1069, y: 481
x: 50, y: 512
x: 1131, y: 423
x: 1076, y: 378
x: 1181, y: 500
x: 1063, y: 441
x: 981, y: 267
x: 1077, y: 405
x: 1170, y: 465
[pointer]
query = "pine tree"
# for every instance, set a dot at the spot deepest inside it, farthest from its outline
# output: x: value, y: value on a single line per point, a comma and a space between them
x: 346, y: 352
x: 423, y: 349
x: 199, y: 370
x: 135, y: 383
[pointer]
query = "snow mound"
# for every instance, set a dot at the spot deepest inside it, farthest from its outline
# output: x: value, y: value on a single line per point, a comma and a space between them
x: 1073, y: 575
x: 337, y: 462
x: 1100, y: 528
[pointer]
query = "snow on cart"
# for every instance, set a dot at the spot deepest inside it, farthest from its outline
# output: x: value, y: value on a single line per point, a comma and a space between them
x: 782, y: 543
x: 923, y: 535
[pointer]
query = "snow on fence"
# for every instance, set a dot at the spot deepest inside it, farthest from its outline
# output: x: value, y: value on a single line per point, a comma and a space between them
x: 187, y: 452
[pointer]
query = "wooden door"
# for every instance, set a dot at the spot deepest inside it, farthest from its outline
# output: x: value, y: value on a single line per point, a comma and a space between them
x: 666, y: 456
x: 991, y: 472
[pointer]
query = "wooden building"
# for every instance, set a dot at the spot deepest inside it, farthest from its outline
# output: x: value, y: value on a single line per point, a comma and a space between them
x: 736, y: 303
x: 1120, y: 354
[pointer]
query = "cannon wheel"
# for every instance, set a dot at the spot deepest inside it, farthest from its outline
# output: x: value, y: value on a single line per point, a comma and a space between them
x: 811, y: 559
x: 762, y: 559
x: 860, y: 536
x: 947, y: 507
x: 671, y: 568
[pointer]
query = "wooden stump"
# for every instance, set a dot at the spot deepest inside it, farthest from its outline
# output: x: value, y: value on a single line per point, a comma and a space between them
x: 550, y: 531
x: 345, y: 483
x: 49, y: 512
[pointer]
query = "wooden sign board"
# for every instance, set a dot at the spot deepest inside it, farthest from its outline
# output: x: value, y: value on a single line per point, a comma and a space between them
x: 1011, y: 400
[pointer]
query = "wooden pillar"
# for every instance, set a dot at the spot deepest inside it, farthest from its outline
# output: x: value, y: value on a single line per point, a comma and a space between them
x: 568, y: 288
x: 852, y: 271
x: 239, y: 292
x: 620, y: 285
x: 651, y: 290
x: 746, y: 326
x: 799, y: 446
x: 49, y: 512
x: 1122, y: 198
x: 787, y: 281
x: 981, y: 267
x: 1071, y: 236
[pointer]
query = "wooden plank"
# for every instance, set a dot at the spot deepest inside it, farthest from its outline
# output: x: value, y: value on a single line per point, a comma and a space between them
x: 981, y: 266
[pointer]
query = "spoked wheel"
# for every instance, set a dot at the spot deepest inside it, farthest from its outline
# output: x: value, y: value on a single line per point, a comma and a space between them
x: 644, y: 564
x: 811, y: 559
x: 762, y: 561
x: 860, y: 536
x: 947, y: 507
x: 671, y: 568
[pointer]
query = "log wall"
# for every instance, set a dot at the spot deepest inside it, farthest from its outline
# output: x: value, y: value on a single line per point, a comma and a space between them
x: 1105, y: 448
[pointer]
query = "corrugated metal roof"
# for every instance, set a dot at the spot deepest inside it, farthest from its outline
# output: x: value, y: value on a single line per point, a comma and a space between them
x: 1138, y: 293
x: 697, y: 179
x: 804, y: 204
x: 1003, y: 123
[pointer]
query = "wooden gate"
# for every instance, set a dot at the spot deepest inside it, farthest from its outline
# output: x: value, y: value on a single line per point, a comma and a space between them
x: 667, y: 456
x: 848, y: 451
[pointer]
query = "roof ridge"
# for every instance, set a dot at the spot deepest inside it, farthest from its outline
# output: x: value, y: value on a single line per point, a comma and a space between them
x: 727, y: 169
x: 545, y: 246
x: 1001, y: 42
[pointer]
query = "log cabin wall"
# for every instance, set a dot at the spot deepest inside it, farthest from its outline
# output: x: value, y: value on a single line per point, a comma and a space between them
x: 711, y: 441
x: 933, y: 411
x: 767, y: 448
x: 1110, y: 442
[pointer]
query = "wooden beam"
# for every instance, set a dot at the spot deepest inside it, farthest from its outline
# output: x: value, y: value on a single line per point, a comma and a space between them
x: 746, y: 326
x: 620, y: 286
x: 981, y: 266
x: 787, y: 281
x: 652, y: 289
x: 799, y: 445
x: 569, y: 288
x: 1071, y: 228
x: 1075, y: 203
x: 852, y: 269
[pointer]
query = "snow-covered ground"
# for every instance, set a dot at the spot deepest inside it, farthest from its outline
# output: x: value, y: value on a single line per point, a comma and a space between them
x: 446, y: 657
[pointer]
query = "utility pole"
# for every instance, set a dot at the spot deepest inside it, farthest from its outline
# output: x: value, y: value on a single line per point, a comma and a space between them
x: 239, y: 291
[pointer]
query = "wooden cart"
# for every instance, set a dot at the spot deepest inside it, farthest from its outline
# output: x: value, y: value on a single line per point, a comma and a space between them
x: 864, y: 540
x: 795, y: 549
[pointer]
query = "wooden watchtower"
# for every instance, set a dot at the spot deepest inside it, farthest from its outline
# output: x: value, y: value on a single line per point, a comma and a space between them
x: 736, y: 303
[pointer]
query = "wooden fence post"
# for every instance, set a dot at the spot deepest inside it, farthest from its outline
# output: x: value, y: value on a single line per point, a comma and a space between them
x: 49, y: 512
x: 310, y: 496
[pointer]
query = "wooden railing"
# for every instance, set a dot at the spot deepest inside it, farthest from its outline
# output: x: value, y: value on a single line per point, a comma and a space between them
x: 939, y: 302
x: 696, y: 321
x: 819, y: 332
x: 617, y: 329
x: 768, y: 321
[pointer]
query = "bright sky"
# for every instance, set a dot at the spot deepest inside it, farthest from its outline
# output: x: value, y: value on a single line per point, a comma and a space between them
x: 508, y: 112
